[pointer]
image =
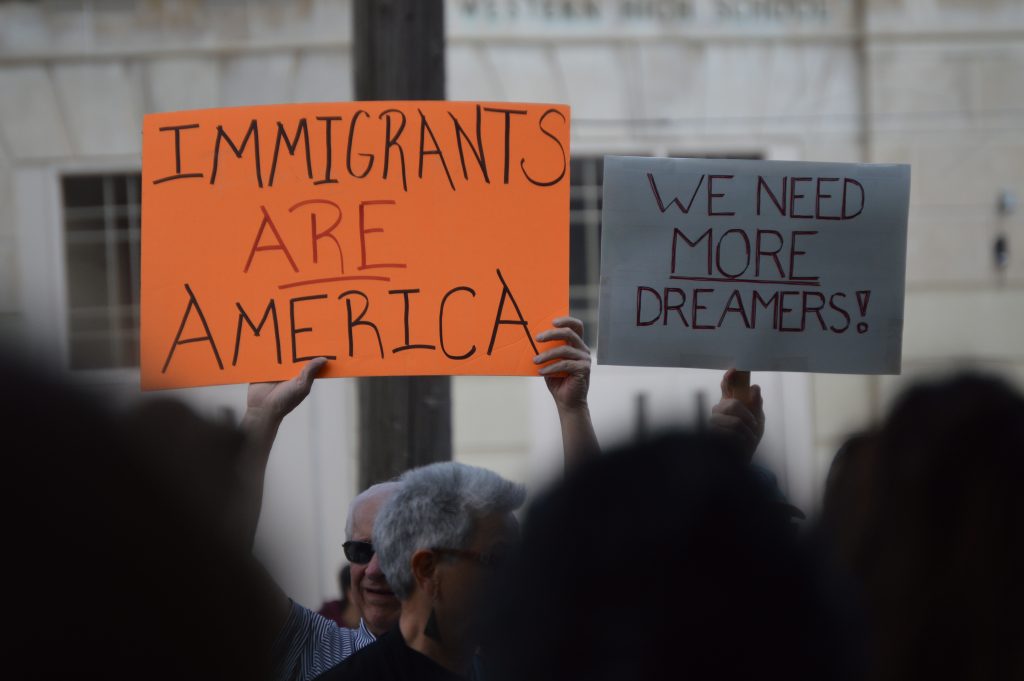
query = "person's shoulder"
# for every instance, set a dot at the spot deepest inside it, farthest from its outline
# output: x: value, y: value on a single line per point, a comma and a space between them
x: 304, y: 622
x: 309, y: 643
x: 375, y: 661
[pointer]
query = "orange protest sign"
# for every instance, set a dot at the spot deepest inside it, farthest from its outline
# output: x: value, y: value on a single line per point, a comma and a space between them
x: 394, y: 238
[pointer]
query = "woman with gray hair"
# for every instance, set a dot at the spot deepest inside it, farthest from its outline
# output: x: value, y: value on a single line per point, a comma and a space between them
x: 438, y: 539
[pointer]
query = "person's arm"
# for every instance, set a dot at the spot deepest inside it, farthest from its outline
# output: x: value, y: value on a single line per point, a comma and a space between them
x: 568, y: 380
x: 740, y: 412
x: 266, y: 406
x: 306, y: 643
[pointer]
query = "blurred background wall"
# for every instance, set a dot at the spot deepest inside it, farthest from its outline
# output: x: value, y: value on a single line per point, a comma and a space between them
x: 938, y: 84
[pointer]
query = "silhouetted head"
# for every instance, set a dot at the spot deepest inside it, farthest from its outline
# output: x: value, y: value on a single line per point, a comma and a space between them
x: 159, y: 590
x: 938, y: 539
x: 670, y: 559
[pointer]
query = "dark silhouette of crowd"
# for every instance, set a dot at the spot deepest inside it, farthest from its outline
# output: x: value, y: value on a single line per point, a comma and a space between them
x: 128, y: 549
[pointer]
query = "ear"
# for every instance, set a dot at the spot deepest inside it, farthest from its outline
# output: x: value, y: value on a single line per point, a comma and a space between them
x: 424, y: 570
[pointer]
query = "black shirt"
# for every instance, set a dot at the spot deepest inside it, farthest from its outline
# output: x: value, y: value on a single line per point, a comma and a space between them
x: 389, y: 659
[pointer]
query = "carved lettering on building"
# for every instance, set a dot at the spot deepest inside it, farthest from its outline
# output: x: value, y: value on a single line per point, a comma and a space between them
x: 581, y: 13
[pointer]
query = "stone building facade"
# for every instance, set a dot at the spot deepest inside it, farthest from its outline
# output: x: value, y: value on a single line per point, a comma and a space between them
x: 938, y: 84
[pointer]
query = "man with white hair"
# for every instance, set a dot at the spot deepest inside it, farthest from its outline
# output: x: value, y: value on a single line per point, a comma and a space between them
x: 310, y: 644
x: 370, y: 589
x: 438, y: 538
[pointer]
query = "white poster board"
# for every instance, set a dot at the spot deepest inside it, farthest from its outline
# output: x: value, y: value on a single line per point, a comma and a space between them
x: 758, y: 265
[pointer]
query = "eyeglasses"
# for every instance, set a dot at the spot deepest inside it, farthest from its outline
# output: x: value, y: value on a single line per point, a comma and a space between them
x: 490, y: 559
x: 358, y: 552
x: 361, y: 553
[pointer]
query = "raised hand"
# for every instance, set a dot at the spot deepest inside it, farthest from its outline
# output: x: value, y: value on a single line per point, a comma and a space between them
x: 568, y: 375
x: 568, y: 380
x: 275, y: 400
x: 740, y: 412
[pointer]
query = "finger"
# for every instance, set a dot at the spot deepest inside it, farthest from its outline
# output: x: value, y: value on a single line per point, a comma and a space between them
x: 563, y: 334
x: 756, y: 403
x: 726, y: 421
x: 570, y: 323
x: 741, y: 414
x: 731, y: 425
x: 565, y: 366
x: 563, y: 352
x: 737, y: 409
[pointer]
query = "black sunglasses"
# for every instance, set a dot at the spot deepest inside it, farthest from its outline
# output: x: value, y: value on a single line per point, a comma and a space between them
x: 358, y: 552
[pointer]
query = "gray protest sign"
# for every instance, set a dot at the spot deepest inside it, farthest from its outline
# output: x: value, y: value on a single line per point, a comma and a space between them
x: 758, y: 265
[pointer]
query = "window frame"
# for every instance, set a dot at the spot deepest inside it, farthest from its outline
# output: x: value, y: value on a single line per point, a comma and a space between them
x: 114, y: 309
x: 42, y: 268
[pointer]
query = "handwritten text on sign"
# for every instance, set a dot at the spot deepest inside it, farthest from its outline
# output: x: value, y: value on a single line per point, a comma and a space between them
x: 766, y: 265
x: 394, y: 238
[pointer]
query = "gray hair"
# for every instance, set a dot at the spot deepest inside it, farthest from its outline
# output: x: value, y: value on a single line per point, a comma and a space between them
x: 437, y: 506
x: 370, y: 492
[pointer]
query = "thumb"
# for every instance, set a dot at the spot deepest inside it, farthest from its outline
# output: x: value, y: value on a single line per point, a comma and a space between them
x: 310, y: 371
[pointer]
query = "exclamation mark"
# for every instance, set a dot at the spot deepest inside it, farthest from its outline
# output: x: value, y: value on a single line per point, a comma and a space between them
x: 862, y: 302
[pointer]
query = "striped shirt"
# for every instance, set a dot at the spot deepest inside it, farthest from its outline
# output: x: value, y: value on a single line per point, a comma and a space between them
x: 309, y: 644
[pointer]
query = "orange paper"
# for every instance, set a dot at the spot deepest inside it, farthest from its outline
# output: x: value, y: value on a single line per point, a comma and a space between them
x: 394, y: 238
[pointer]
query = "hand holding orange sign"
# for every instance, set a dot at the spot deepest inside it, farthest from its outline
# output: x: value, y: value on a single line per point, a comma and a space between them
x: 393, y: 238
